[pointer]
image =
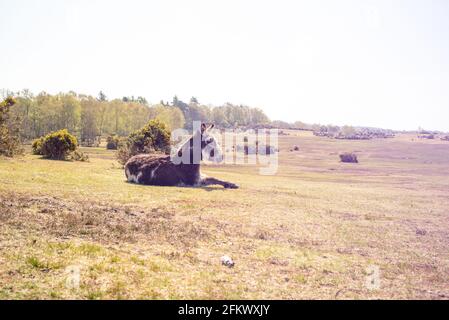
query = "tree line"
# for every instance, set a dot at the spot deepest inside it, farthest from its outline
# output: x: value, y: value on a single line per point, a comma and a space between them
x: 90, y: 117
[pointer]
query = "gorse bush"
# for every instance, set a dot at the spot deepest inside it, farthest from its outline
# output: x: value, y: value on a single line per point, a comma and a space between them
x: 9, y: 130
x: 57, y: 145
x: 37, y: 146
x: 153, y: 137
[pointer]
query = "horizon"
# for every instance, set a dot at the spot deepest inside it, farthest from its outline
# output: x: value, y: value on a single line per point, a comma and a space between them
x: 382, y: 64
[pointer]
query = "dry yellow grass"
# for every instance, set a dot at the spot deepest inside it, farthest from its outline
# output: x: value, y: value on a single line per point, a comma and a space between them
x: 311, y: 231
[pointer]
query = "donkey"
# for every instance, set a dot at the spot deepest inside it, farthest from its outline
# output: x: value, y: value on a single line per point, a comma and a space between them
x: 160, y: 170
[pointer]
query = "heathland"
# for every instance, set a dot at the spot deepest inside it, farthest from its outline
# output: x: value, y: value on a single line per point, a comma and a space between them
x: 316, y: 229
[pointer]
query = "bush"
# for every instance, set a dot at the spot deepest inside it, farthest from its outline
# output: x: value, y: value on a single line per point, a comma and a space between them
x: 9, y: 130
x: 112, y: 142
x: 153, y: 137
x: 56, y: 145
x: 349, y: 158
x: 37, y: 146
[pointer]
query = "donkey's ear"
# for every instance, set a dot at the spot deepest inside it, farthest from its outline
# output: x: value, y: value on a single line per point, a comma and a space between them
x: 212, y: 126
x: 203, y: 127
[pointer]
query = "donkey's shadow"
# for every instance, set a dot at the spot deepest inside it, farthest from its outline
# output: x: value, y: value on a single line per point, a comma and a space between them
x: 209, y: 189
x: 205, y: 188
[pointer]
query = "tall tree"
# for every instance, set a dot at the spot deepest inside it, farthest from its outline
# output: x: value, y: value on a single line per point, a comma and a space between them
x: 9, y: 130
x: 102, y: 96
x: 194, y: 100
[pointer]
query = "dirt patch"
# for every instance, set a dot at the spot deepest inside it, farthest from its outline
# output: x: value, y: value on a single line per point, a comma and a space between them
x: 97, y: 221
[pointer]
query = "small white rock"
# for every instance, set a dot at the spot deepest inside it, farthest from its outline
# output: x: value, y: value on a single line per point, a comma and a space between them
x: 227, y: 261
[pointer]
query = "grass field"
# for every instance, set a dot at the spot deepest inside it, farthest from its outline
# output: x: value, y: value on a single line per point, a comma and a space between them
x: 313, y: 231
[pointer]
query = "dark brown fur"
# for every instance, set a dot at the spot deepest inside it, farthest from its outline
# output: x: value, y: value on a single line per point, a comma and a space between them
x: 160, y: 171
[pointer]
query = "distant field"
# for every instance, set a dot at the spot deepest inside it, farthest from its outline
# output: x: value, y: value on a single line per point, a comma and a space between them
x: 310, y: 232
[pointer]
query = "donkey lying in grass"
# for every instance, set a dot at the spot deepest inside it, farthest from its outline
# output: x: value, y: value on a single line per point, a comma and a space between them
x: 160, y: 170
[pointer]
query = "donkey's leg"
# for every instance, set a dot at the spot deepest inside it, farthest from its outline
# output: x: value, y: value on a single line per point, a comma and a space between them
x: 212, y: 181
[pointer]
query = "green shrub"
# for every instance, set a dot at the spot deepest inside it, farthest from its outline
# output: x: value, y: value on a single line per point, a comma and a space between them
x: 153, y: 137
x: 56, y: 145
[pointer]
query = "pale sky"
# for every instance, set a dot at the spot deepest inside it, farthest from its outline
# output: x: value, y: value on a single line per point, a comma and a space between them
x: 361, y: 62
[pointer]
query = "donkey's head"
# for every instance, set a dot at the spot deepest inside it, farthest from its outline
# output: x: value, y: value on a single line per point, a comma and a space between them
x: 202, y: 145
x: 210, y: 147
